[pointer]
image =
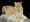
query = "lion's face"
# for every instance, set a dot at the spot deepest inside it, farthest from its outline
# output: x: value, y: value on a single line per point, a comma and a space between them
x: 18, y: 4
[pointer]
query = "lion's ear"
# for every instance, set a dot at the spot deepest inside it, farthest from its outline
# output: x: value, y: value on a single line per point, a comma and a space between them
x: 21, y: 2
x: 15, y: 3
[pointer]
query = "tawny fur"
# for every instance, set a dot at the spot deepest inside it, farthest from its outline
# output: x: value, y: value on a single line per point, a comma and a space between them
x: 10, y: 10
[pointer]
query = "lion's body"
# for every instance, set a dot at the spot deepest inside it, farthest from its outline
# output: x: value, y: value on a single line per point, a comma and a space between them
x: 15, y: 12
